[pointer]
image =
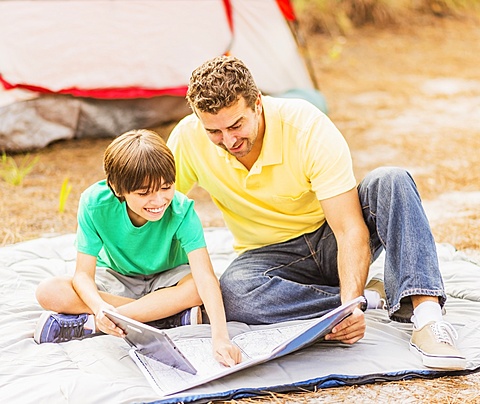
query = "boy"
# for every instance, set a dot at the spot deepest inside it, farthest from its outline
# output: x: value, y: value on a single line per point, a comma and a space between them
x: 135, y: 239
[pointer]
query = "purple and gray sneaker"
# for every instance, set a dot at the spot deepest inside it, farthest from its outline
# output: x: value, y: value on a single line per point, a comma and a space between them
x: 55, y: 327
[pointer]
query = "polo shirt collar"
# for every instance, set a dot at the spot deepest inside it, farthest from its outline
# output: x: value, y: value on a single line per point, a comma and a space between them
x: 272, y: 148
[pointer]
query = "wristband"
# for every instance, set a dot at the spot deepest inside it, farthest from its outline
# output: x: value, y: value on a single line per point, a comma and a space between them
x: 363, y: 304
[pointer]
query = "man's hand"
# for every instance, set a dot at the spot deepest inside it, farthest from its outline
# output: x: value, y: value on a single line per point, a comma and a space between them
x: 350, y: 330
x: 226, y: 353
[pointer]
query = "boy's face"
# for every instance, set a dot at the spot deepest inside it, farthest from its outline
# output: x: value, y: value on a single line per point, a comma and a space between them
x: 144, y: 206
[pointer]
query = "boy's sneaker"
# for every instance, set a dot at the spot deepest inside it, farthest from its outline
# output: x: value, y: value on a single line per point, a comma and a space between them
x: 190, y: 316
x: 435, y: 344
x: 55, y: 327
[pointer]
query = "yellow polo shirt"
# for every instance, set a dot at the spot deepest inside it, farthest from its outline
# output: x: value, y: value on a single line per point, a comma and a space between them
x: 304, y: 159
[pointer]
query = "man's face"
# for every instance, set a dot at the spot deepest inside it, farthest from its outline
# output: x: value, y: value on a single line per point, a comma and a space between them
x: 234, y: 129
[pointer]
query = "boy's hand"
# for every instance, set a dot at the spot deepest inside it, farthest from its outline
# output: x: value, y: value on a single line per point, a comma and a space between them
x: 226, y: 353
x: 104, y: 324
x: 350, y: 330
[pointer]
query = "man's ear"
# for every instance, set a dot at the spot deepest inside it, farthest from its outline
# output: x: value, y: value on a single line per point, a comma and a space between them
x: 258, y: 104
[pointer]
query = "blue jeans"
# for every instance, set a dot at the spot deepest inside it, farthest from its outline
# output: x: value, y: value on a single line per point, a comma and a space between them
x: 298, y: 279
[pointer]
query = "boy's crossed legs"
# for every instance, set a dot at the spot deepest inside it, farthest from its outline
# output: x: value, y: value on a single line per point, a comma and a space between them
x: 165, y: 300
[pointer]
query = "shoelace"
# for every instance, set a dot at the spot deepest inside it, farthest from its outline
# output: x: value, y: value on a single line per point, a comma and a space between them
x: 70, y: 330
x: 444, y: 332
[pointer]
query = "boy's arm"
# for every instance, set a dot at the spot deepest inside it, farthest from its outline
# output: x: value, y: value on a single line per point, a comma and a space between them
x: 84, y: 284
x: 209, y: 290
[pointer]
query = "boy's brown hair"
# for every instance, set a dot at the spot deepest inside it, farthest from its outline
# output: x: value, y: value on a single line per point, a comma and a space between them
x: 138, y: 159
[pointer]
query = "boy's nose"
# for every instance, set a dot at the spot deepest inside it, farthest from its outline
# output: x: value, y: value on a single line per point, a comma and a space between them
x: 157, y: 197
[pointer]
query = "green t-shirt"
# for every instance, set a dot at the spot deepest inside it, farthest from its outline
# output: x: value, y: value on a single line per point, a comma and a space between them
x: 106, y: 232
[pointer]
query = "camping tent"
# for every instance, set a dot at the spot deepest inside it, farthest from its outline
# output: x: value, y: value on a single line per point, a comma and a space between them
x: 77, y: 68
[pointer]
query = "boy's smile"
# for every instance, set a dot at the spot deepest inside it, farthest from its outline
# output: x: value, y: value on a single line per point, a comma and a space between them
x: 144, y: 206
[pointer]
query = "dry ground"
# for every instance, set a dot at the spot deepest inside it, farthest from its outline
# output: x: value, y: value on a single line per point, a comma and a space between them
x: 406, y: 96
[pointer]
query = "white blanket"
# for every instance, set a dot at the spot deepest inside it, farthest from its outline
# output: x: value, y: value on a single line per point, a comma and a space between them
x: 99, y: 369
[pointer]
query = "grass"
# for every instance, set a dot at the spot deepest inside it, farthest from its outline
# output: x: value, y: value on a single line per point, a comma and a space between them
x: 64, y: 193
x: 14, y: 173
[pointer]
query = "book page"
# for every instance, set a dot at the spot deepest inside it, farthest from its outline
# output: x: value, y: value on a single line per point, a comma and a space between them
x: 199, y: 352
x: 255, y: 346
x: 261, y: 342
x: 258, y: 346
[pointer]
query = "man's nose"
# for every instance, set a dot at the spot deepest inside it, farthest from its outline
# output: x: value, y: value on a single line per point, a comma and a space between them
x: 229, y: 139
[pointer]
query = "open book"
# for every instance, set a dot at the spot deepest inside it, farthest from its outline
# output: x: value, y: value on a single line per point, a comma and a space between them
x: 175, y: 366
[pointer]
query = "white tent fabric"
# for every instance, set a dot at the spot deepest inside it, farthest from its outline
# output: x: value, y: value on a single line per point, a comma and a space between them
x: 63, y: 63
x: 150, y: 44
x: 58, y: 45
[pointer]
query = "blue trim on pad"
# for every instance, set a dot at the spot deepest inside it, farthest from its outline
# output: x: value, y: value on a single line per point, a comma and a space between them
x: 316, y: 384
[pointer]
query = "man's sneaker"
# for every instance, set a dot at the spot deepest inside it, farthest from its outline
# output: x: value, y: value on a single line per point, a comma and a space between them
x: 435, y: 344
x: 54, y: 327
x: 190, y: 316
x: 378, y: 286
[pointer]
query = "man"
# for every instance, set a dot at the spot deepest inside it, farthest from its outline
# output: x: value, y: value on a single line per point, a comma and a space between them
x: 281, y: 173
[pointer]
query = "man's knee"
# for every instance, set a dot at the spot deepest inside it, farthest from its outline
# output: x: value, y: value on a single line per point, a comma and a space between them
x: 388, y: 175
x: 385, y: 183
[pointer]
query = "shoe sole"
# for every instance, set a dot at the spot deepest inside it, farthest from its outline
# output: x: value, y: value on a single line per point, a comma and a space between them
x: 439, y: 362
x: 195, y: 315
x: 40, y: 324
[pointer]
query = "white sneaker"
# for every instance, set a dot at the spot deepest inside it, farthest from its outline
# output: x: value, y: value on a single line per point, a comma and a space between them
x: 435, y: 344
x: 377, y: 285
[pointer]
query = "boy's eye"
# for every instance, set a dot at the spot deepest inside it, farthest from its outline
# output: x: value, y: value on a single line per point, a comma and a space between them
x: 166, y: 187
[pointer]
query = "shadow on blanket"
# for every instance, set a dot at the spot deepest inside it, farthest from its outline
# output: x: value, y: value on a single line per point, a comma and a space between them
x: 100, y: 370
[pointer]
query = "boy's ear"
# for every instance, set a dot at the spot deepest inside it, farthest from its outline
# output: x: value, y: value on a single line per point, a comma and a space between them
x: 114, y: 191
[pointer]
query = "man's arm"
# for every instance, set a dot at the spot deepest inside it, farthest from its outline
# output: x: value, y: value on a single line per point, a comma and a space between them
x: 344, y: 216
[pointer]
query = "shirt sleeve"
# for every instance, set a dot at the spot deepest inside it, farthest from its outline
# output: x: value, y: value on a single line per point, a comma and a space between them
x: 181, y: 149
x: 88, y: 240
x: 328, y: 161
x: 190, y: 231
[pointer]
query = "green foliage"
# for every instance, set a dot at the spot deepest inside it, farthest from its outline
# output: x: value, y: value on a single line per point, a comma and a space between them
x: 14, y: 173
x: 64, y: 193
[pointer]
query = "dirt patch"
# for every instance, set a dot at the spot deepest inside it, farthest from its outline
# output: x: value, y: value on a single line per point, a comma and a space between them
x: 404, y: 96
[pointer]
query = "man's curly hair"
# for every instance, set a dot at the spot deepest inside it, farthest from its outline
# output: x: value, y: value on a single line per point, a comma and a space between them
x: 219, y: 83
